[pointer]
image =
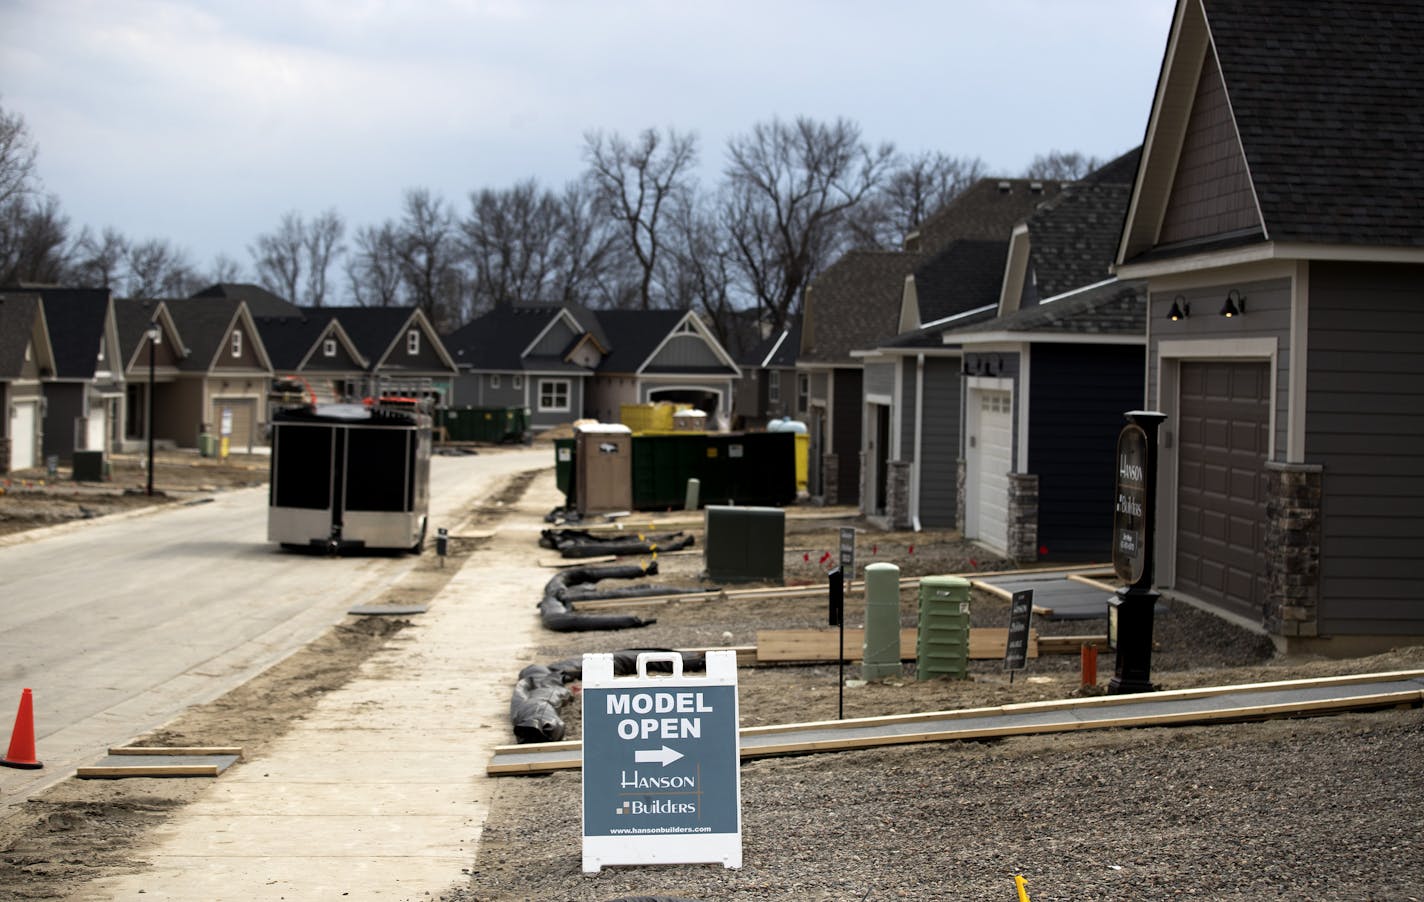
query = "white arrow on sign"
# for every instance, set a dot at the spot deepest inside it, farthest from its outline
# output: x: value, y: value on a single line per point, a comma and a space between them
x: 663, y: 756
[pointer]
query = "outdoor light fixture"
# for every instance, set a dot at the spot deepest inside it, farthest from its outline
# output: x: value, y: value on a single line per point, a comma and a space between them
x: 1235, y: 304
x: 1180, y: 309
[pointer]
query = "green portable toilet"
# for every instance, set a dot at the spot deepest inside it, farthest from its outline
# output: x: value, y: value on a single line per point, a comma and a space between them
x: 942, y: 642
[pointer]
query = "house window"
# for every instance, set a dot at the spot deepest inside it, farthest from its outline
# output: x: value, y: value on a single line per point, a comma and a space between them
x: 518, y: 382
x: 494, y: 380
x: 328, y: 347
x: 803, y: 391
x: 412, y: 342
x: 554, y: 395
x: 773, y: 386
x: 237, y: 342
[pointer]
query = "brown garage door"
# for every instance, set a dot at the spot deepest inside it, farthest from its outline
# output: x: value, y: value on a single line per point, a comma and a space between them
x: 244, y: 422
x: 1221, y: 499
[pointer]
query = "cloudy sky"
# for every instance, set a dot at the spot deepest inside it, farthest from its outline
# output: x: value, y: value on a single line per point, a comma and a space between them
x: 203, y: 122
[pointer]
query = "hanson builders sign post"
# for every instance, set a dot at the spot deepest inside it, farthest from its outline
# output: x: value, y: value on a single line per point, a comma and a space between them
x: 661, y: 765
x: 1134, y: 509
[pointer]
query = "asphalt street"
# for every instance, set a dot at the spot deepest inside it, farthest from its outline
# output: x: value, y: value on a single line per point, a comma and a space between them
x: 119, y: 625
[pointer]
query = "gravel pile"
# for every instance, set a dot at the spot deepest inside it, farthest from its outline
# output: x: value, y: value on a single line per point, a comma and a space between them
x: 1328, y: 808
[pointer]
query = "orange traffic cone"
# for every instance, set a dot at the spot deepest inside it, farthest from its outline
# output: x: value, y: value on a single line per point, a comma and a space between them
x: 22, y: 741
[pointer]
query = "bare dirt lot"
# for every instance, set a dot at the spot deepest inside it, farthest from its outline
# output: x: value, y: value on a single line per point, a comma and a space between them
x: 1322, y: 809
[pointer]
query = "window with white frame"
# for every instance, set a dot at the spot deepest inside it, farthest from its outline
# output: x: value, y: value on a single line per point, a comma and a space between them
x: 328, y: 348
x: 554, y: 395
x: 518, y: 382
x: 237, y: 342
x: 494, y: 380
x: 803, y: 391
x: 412, y: 342
x: 773, y: 386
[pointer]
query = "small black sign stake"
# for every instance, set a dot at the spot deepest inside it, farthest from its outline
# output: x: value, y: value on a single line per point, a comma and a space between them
x: 1020, y: 619
x: 1134, y: 510
x: 836, y: 590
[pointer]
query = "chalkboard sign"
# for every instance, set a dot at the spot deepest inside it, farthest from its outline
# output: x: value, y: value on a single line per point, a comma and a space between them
x: 1130, y: 507
x: 1020, y: 617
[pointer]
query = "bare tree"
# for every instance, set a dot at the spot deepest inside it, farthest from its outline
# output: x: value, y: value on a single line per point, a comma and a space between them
x: 788, y: 189
x: 591, y: 269
x: 99, y: 260
x: 915, y: 188
x: 278, y: 257
x: 17, y: 157
x: 224, y: 270
x: 373, y: 269
x: 512, y: 238
x: 158, y: 269
x: 1061, y: 166
x: 701, y: 271
x: 428, y: 249
x: 321, y: 241
x: 636, y: 181
x: 33, y: 240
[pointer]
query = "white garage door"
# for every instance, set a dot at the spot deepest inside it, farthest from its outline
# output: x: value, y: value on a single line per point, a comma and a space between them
x: 991, y: 438
x: 22, y: 435
x: 97, y: 427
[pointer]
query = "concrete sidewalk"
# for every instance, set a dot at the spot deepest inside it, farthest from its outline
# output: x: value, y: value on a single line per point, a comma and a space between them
x: 381, y: 792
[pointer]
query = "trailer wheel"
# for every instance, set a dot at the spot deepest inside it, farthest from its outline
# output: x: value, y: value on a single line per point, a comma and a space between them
x: 419, y: 545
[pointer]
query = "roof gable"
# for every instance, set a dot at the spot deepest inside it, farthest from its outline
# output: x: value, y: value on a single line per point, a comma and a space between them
x: 24, y: 337
x: 1321, y: 97
x: 78, y: 320
x: 854, y: 304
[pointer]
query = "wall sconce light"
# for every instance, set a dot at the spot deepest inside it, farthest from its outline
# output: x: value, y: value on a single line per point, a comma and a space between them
x: 1180, y: 309
x: 1235, y: 304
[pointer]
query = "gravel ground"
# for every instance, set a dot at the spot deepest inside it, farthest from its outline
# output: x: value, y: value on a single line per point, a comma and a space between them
x: 1327, y: 808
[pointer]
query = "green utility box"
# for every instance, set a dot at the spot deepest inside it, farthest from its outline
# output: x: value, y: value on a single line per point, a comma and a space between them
x: 564, y: 469
x: 88, y: 466
x: 942, y: 642
x: 744, y: 544
x: 207, y: 444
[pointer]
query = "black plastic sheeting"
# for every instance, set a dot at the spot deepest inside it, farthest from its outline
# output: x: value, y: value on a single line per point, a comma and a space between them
x: 542, y: 690
x: 577, y: 543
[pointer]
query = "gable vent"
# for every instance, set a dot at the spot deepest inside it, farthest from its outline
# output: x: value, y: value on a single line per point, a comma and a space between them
x: 1004, y: 187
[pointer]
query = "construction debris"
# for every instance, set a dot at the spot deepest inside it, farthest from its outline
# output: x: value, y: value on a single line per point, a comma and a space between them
x: 580, y: 543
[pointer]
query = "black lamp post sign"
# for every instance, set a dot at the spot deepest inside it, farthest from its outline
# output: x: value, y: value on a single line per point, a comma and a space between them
x: 1135, y: 503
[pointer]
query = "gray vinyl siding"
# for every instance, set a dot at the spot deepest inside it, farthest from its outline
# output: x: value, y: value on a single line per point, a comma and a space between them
x: 907, y: 404
x: 846, y: 438
x: 880, y: 379
x: 939, y: 443
x: 820, y: 379
x: 1365, y: 427
x: 554, y: 342
x: 1267, y: 316
x: 685, y: 351
x: 64, y: 403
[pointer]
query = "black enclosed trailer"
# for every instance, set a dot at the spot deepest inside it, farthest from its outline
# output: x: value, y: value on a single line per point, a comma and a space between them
x: 350, y: 476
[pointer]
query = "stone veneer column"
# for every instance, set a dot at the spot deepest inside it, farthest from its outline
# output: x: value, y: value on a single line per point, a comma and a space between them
x: 1293, y: 493
x: 960, y: 471
x: 831, y: 478
x: 897, y: 486
x: 1023, y: 517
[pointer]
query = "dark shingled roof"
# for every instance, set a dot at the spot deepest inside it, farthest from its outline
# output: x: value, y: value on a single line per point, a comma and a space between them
x: 1073, y: 242
x: 784, y: 344
x: 1113, y: 308
x: 1328, y: 98
x: 965, y: 275
x: 132, y: 316
x: 288, y: 339
x: 76, y: 319
x: 203, y: 324
x: 371, y: 329
x: 855, y: 304
x: 494, y: 340
x: 260, y: 301
x: 636, y: 334
x: 17, y: 324
x: 988, y: 209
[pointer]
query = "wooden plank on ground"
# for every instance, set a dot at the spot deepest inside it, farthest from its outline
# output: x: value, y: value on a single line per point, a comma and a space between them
x: 823, y: 644
x: 177, y: 750
x: 1069, y: 645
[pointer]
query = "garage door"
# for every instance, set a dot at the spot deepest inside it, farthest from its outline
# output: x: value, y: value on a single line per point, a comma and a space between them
x: 244, y: 421
x: 1221, y: 495
x: 22, y: 435
x: 991, y: 441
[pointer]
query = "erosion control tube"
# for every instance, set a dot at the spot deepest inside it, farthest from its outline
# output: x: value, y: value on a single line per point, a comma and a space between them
x: 541, y: 690
x: 577, y: 543
x: 557, y: 614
